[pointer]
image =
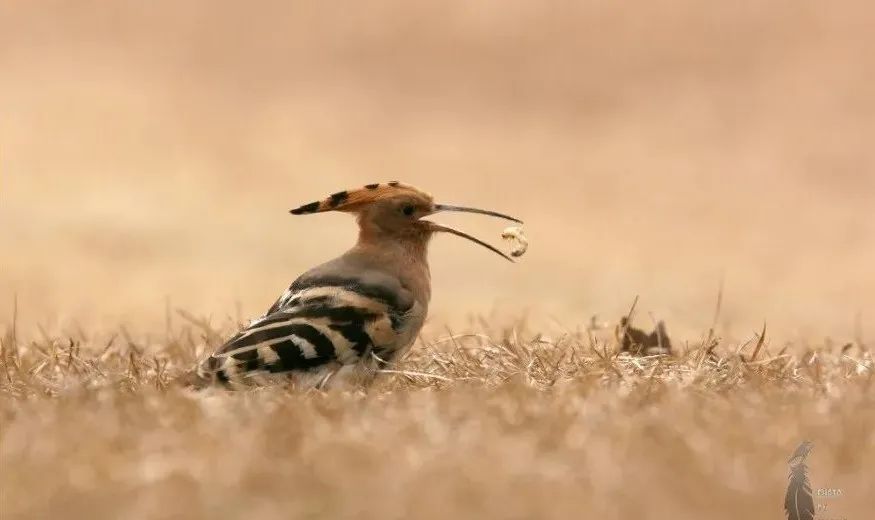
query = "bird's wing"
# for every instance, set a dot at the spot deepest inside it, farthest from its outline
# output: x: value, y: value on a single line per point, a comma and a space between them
x: 321, y: 320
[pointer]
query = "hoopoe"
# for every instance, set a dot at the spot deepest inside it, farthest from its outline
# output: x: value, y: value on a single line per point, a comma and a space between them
x: 341, y: 321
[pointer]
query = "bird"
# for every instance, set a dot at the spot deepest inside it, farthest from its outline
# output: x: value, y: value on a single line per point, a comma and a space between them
x: 340, y: 322
x: 798, y: 500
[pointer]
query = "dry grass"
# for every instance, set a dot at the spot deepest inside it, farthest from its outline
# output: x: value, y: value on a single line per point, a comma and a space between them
x: 504, y: 424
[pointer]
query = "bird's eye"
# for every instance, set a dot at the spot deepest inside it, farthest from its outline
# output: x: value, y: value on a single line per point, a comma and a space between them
x: 408, y: 209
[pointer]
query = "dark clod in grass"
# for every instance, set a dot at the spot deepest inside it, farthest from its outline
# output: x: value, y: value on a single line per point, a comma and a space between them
x: 640, y: 343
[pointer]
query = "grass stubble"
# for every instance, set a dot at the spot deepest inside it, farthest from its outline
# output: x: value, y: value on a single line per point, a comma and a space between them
x: 501, y: 423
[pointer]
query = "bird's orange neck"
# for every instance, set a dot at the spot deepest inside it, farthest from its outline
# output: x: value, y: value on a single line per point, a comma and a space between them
x: 403, y: 253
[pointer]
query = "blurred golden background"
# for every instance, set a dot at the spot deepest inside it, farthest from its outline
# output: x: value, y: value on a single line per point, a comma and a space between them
x: 150, y: 151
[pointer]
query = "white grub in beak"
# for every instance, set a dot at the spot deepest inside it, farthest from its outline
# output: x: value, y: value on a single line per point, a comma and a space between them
x: 515, y: 233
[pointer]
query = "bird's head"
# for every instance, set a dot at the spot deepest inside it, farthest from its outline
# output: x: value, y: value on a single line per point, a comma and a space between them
x: 396, y: 210
x: 801, y: 452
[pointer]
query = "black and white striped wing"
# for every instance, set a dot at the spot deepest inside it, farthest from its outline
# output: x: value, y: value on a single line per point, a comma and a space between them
x: 316, y: 326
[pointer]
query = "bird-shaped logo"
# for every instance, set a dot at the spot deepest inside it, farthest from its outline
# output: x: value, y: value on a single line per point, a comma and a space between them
x: 799, y: 502
x: 341, y: 321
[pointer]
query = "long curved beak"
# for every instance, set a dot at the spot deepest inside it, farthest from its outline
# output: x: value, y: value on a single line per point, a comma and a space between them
x: 439, y: 228
x: 447, y: 207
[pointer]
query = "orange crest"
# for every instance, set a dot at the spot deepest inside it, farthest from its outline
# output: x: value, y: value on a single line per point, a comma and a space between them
x: 351, y: 200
